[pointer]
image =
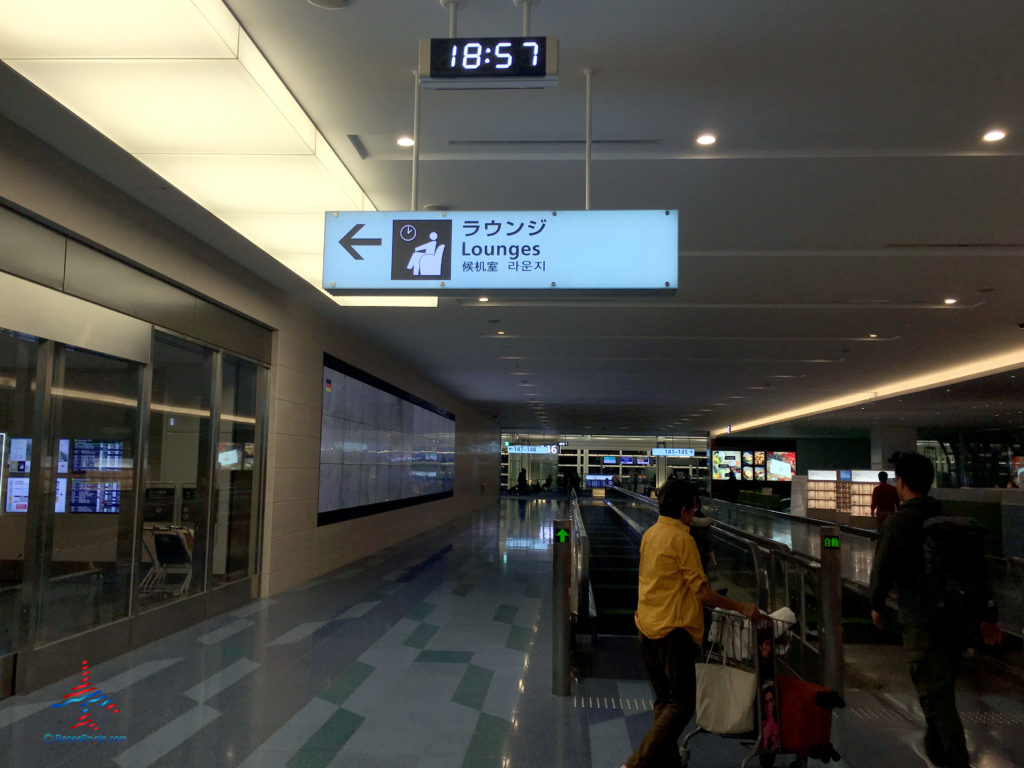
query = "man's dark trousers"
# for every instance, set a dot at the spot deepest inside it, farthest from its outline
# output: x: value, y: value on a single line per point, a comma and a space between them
x: 934, y: 656
x: 670, y: 666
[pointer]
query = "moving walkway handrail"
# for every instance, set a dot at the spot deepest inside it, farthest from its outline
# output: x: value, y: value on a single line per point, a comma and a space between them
x: 580, y: 595
x: 867, y: 533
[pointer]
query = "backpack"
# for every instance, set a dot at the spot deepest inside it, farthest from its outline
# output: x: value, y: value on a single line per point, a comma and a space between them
x: 956, y: 576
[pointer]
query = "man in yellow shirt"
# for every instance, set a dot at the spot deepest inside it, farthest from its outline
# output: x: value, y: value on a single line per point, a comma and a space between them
x: 670, y: 616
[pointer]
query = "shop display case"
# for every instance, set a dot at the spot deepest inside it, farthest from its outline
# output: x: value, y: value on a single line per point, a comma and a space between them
x: 841, y: 496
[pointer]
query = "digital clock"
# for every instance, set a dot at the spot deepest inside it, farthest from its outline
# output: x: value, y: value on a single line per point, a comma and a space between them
x: 489, y: 62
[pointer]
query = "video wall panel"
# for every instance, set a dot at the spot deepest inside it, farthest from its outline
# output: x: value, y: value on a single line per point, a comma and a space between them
x: 380, y: 447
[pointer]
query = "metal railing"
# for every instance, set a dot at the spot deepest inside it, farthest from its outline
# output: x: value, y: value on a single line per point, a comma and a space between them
x: 758, y: 569
x: 1006, y: 573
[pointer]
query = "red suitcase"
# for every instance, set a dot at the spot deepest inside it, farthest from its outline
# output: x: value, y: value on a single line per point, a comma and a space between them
x: 805, y: 717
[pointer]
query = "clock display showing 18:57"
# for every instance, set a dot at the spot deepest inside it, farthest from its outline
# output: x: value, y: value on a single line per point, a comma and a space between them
x: 488, y: 57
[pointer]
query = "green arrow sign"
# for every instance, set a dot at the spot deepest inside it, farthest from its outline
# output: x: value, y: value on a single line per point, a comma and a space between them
x: 562, y: 535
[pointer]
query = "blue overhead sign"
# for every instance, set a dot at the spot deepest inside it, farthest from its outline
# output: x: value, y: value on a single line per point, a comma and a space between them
x: 533, y: 449
x: 684, y: 453
x: 481, y: 251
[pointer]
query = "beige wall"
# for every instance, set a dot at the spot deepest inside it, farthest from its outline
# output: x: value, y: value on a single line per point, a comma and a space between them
x: 43, y: 182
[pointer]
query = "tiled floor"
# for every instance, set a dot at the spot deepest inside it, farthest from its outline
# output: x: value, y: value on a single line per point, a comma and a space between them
x: 433, y: 654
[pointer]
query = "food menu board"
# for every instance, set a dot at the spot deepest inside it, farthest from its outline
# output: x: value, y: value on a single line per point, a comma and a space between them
x: 753, y: 465
x: 722, y: 462
x: 781, y: 466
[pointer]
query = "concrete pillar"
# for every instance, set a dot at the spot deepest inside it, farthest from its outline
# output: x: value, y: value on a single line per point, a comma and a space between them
x: 886, y: 439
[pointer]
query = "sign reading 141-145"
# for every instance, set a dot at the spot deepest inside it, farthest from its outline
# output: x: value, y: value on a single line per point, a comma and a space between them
x: 388, y: 252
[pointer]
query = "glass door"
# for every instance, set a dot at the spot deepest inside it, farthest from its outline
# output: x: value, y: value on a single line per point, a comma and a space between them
x: 89, y: 477
x: 175, y: 506
x: 236, y: 488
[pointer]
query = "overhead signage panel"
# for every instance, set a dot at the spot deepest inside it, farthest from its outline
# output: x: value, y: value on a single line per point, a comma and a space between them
x: 679, y: 453
x: 482, y: 251
x: 533, y: 449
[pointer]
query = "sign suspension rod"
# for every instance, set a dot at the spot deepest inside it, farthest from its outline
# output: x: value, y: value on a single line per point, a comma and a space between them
x: 415, y: 142
x: 590, y: 121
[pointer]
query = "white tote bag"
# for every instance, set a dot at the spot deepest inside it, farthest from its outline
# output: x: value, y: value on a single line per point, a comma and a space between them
x: 725, y: 695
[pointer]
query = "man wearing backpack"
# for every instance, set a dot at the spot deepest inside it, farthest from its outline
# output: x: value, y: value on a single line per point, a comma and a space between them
x: 936, y: 627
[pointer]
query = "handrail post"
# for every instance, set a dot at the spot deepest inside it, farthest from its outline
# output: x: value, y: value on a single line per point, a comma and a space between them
x: 561, y: 629
x: 831, y: 597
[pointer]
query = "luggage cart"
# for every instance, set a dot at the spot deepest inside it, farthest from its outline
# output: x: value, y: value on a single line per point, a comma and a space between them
x: 169, y: 549
x: 751, y: 652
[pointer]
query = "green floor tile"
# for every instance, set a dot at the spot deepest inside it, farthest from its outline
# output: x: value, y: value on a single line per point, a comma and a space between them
x: 420, y: 611
x: 505, y: 614
x: 519, y: 638
x: 323, y: 745
x: 473, y: 687
x: 462, y: 589
x: 421, y: 635
x: 341, y: 687
x: 487, y: 746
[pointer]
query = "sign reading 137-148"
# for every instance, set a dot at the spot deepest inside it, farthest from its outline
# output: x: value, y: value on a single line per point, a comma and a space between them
x: 452, y: 252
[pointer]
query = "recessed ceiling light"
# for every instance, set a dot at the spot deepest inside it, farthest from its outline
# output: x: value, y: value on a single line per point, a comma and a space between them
x: 872, y: 335
x: 483, y: 298
x: 706, y: 139
x: 501, y: 333
x: 949, y: 301
x: 405, y: 141
x: 994, y: 135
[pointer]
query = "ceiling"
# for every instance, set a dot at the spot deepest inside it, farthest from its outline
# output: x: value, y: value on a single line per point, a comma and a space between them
x: 848, y: 196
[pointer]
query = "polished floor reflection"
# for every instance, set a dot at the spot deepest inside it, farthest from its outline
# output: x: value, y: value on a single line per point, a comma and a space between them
x: 432, y: 654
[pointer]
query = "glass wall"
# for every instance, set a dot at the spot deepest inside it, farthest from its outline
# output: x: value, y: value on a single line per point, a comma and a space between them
x: 235, y: 470
x: 172, y: 555
x: 17, y: 387
x: 91, y: 466
x: 82, y: 521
